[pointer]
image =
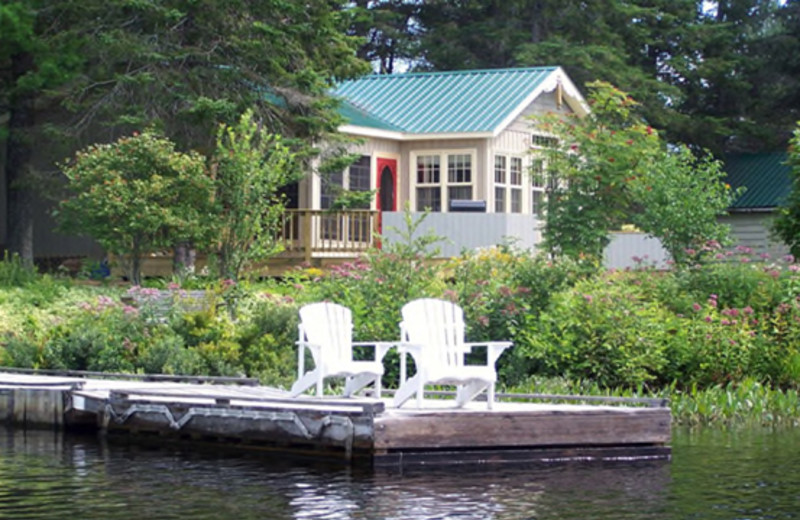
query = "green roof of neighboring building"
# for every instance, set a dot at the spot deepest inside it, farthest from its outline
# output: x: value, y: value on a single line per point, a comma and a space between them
x: 765, y: 175
x: 471, y: 101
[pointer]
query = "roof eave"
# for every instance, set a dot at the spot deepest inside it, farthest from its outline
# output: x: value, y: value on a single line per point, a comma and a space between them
x: 752, y: 210
x: 364, y: 131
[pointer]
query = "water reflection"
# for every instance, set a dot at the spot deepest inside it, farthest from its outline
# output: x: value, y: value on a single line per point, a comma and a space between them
x: 45, y: 475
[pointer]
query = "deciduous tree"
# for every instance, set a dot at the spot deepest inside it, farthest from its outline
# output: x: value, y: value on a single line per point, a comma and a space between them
x: 136, y: 196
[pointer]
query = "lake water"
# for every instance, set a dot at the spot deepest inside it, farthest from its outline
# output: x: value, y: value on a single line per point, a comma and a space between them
x: 712, y: 475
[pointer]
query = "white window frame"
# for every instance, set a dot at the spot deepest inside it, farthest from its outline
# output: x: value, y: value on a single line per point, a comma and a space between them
x: 537, y: 156
x: 510, y: 184
x: 444, y: 175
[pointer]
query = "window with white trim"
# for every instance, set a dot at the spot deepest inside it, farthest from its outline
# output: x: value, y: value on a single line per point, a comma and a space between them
x: 507, y: 184
x: 433, y: 188
x: 353, y: 226
x: 541, y: 181
x: 355, y: 178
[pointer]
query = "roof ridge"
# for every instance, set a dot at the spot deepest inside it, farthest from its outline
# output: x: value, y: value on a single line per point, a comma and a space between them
x: 457, y: 72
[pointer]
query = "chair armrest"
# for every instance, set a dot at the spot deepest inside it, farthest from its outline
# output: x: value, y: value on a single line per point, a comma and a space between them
x: 493, y: 349
x: 381, y: 347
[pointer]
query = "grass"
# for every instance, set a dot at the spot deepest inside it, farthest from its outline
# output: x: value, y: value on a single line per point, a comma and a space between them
x: 744, y: 404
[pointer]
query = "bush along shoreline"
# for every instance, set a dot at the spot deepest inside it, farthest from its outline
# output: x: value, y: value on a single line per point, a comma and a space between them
x: 721, y: 339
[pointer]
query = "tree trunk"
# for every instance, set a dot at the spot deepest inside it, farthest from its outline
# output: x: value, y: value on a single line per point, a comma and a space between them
x: 183, y: 259
x: 18, y: 164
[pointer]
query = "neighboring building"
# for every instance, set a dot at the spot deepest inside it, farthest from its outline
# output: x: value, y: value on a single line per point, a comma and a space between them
x: 766, y: 179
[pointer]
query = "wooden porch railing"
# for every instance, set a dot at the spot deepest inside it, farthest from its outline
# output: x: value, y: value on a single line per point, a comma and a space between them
x: 309, y: 233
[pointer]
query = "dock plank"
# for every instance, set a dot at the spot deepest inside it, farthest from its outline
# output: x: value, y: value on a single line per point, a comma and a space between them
x: 550, y: 425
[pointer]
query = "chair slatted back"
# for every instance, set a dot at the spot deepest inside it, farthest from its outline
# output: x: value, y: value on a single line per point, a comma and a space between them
x: 438, y: 325
x: 329, y: 325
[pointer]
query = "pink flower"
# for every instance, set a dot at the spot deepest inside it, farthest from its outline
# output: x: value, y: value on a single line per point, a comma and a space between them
x: 794, y: 268
x: 588, y: 298
x: 172, y: 286
x: 725, y: 322
x: 747, y: 310
x: 708, y: 319
x: 696, y: 306
x: 130, y: 310
x: 745, y: 259
x: 788, y: 259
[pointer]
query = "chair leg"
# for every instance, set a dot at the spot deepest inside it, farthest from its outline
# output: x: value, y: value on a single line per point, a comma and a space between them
x: 406, y: 391
x: 305, y: 382
x: 356, y: 383
x: 468, y: 391
x: 320, y: 380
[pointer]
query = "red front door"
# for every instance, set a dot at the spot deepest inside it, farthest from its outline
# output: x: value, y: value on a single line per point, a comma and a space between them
x: 387, y: 184
x: 387, y: 189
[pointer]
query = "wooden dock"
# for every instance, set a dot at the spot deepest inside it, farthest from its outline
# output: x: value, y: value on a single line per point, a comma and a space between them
x: 356, y: 429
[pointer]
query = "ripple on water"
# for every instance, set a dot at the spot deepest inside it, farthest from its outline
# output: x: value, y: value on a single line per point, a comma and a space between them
x: 711, y: 476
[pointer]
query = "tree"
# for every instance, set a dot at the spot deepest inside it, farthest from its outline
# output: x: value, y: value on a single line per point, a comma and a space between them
x: 720, y: 74
x: 136, y: 196
x: 250, y: 166
x: 93, y: 70
x: 610, y: 169
x: 786, y: 225
x: 388, y: 29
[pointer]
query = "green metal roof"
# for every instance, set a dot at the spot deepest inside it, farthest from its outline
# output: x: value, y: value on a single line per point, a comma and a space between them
x: 470, y: 101
x: 765, y: 175
x: 358, y: 117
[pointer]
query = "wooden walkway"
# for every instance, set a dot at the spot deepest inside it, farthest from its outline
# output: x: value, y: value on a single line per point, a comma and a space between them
x: 357, y: 429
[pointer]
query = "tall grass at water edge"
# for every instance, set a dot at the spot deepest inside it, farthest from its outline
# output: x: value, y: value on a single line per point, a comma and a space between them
x: 745, y: 404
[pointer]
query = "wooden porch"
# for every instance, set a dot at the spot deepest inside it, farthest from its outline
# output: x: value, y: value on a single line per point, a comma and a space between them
x: 308, y: 236
x: 313, y: 233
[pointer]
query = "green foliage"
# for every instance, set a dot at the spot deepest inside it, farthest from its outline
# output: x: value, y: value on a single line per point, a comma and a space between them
x: 611, y: 169
x: 745, y: 403
x: 600, y: 330
x: 14, y: 272
x: 786, y: 225
x: 135, y: 196
x: 681, y: 197
x: 250, y: 167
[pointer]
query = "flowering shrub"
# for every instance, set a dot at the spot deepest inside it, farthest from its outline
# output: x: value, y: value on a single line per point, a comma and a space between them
x: 603, y: 330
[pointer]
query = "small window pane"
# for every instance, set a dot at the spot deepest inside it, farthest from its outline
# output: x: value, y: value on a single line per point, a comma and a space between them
x: 360, y: 174
x: 500, y: 169
x: 428, y: 169
x: 537, y: 173
x: 429, y: 198
x: 459, y: 168
x: 516, y: 171
x: 537, y: 197
x: 330, y: 189
x: 499, y: 200
x: 459, y: 193
x: 516, y: 200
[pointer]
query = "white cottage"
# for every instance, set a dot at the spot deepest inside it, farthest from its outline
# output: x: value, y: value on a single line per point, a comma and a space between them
x: 456, y: 143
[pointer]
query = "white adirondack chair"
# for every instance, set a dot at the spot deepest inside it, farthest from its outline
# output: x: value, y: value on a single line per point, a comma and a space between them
x: 432, y: 332
x: 326, y: 329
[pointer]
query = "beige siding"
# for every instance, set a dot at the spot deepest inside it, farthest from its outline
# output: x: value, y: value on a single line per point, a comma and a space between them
x: 753, y: 230
x: 542, y: 105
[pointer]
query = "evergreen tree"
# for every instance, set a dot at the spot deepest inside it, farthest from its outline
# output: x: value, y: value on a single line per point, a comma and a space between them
x: 100, y: 69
